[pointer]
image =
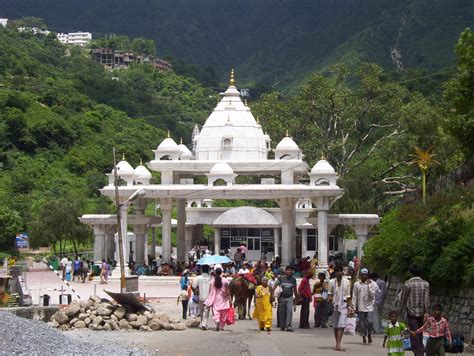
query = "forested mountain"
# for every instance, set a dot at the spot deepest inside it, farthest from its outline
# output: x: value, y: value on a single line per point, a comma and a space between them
x: 272, y: 42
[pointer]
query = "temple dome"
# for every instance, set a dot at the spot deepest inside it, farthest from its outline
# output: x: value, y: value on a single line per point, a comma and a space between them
x: 141, y: 172
x: 322, y: 166
x: 124, y: 169
x: 168, y: 145
x: 221, y: 168
x: 287, y: 144
x: 231, y: 133
x: 185, y: 153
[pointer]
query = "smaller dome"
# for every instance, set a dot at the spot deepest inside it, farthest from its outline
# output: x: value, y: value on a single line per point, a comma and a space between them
x: 287, y: 144
x: 322, y: 166
x: 168, y: 145
x: 124, y: 169
x: 221, y: 168
x: 184, y: 150
x: 141, y: 172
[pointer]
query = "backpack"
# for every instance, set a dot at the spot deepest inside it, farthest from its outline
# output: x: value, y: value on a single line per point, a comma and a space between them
x: 457, y: 346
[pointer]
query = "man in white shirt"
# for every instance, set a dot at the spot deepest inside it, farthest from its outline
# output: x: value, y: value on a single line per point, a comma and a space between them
x: 201, y: 285
x: 244, y: 269
x: 363, y: 298
x: 63, y: 266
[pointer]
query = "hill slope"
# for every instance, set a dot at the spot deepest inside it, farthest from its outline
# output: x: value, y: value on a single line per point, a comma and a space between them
x: 275, y: 42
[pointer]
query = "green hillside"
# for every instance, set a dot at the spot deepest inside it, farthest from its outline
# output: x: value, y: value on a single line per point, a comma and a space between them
x: 60, y: 116
x: 273, y: 42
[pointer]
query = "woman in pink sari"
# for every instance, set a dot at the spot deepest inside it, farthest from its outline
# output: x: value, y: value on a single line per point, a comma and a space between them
x: 219, y: 299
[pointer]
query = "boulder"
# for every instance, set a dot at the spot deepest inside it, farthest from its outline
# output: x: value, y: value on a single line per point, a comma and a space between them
x: 97, y: 320
x: 80, y: 324
x: 94, y: 299
x: 73, y: 309
x: 131, y: 316
x: 120, y: 312
x: 107, y: 327
x: 114, y: 325
x: 83, y: 316
x: 104, y: 310
x: 87, y: 321
x: 63, y: 327
x: 73, y: 321
x: 193, y: 323
x: 53, y: 324
x: 82, y: 310
x: 114, y: 318
x: 106, y: 317
x: 145, y: 328
x: 124, y: 324
x: 61, y: 317
x: 155, y: 325
x: 179, y: 327
x: 135, y: 324
x: 142, y: 319
x: 168, y: 326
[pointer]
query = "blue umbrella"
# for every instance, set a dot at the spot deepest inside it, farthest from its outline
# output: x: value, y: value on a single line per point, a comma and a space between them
x: 213, y: 260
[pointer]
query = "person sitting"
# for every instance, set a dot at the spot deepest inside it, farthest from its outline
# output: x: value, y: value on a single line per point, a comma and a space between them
x: 245, y: 269
x: 165, y: 270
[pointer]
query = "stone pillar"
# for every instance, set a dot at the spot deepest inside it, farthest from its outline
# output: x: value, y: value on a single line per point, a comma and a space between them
x: 323, y: 238
x: 217, y: 241
x: 181, y: 250
x: 361, y: 232
x: 287, y: 230
x: 188, y: 241
x: 276, y: 241
x: 153, y: 242
x: 304, y: 242
x: 99, y: 242
x: 110, y: 232
x: 140, y: 252
x: 166, y: 204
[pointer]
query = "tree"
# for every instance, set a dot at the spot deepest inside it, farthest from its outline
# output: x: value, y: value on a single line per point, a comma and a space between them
x: 459, y: 94
x: 423, y: 159
x: 57, y: 223
x: 11, y: 223
x: 141, y: 45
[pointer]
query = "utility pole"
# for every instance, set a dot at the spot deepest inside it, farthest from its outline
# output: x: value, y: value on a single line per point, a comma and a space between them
x: 123, y: 287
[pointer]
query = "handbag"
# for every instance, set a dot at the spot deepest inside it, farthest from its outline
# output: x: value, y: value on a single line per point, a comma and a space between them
x: 298, y: 300
x: 230, y: 316
x: 350, y: 328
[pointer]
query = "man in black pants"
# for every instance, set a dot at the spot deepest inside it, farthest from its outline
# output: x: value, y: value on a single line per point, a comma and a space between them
x: 285, y: 302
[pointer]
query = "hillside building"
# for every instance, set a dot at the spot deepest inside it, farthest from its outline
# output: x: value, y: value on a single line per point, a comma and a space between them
x: 75, y: 38
x: 3, y: 22
x: 114, y: 59
x: 230, y: 146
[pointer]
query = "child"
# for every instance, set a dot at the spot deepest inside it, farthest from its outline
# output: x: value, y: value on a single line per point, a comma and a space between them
x: 193, y: 302
x: 184, y: 298
x: 263, y: 306
x: 393, y: 332
x: 437, y: 329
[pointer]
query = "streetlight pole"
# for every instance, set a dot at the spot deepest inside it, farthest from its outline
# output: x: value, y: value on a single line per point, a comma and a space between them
x: 122, y: 212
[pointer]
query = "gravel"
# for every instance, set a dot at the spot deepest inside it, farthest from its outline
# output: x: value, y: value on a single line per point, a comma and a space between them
x: 20, y: 336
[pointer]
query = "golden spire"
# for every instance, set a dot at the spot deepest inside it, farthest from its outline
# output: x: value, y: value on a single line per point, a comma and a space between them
x: 287, y: 133
x: 232, y: 79
x: 258, y: 120
x: 169, y: 135
x: 181, y: 141
x: 245, y: 102
x: 123, y: 156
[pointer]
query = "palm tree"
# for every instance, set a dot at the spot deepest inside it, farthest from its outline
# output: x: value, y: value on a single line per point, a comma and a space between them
x: 423, y: 159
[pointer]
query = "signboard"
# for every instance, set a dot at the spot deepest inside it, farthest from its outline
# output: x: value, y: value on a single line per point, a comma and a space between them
x: 238, y: 239
x: 267, y: 239
x: 21, y: 241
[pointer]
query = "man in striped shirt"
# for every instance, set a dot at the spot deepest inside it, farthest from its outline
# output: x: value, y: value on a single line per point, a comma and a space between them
x: 416, y: 299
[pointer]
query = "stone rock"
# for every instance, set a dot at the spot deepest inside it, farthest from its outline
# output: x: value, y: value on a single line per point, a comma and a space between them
x: 113, y: 317
x: 135, y: 324
x: 193, y: 323
x: 61, y: 317
x: 155, y: 325
x: 97, y: 320
x: 73, y: 321
x: 124, y: 324
x: 120, y: 312
x: 114, y: 325
x: 131, y: 316
x: 100, y: 327
x: 106, y: 317
x: 179, y: 327
x: 73, y: 309
x: 142, y: 319
x: 94, y: 312
x: 63, y: 327
x: 82, y: 316
x: 94, y: 299
x: 107, y: 327
x: 53, y: 323
x: 82, y: 310
x: 168, y: 326
x: 80, y: 324
x: 87, y: 321
x: 104, y: 310
x: 145, y: 328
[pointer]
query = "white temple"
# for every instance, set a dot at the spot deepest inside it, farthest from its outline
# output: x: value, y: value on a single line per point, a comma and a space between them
x: 231, y: 144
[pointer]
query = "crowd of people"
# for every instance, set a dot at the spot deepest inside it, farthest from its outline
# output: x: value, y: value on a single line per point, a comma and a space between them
x: 334, y: 297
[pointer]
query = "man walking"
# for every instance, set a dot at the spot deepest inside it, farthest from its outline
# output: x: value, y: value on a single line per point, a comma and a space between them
x: 415, y: 300
x: 363, y: 298
x: 287, y: 284
x: 201, y: 287
x: 379, y: 300
x: 340, y: 296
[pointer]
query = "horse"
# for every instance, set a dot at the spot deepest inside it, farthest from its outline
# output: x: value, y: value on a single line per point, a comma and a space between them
x: 242, y: 295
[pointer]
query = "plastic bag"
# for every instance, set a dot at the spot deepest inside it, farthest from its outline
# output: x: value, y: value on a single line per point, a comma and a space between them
x: 406, y: 344
x: 350, y: 328
x: 230, y: 316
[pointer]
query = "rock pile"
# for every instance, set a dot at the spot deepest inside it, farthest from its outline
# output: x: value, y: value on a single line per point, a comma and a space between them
x: 96, y: 314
